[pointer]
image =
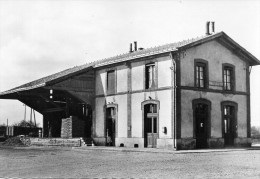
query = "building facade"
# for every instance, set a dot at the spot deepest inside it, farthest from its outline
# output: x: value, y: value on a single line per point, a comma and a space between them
x: 185, y: 95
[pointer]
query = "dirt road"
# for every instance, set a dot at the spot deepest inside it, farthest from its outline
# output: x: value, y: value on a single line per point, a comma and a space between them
x: 68, y: 163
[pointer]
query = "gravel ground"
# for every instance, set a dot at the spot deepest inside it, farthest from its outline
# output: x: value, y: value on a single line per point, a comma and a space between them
x: 56, y: 162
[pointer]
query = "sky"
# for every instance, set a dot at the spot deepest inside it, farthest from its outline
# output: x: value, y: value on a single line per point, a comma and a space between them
x: 42, y: 37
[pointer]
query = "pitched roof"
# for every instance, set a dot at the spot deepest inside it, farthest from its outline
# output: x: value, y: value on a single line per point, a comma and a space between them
x: 134, y: 55
x: 48, y: 79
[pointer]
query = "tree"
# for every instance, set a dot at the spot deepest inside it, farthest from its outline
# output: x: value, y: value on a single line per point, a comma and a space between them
x: 255, y: 131
x: 25, y: 123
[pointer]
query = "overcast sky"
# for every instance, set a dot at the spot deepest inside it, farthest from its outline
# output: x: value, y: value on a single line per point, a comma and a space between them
x: 38, y: 38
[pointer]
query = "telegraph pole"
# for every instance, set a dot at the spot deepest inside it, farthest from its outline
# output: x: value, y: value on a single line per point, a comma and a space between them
x: 7, y: 130
x: 24, y: 112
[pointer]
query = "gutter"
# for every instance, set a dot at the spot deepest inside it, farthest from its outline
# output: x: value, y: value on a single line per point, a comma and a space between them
x: 22, y: 89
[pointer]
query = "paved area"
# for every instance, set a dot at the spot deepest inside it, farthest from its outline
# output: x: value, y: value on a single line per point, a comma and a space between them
x: 100, y: 162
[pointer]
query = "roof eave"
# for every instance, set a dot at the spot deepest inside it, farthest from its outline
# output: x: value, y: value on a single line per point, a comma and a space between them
x: 253, y: 60
x: 57, y: 80
x: 22, y: 89
x: 135, y: 57
x: 201, y: 41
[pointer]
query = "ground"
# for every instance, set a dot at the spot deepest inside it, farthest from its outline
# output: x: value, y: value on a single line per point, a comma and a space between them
x: 32, y: 162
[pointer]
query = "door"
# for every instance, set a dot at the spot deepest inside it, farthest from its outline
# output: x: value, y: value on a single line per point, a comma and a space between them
x: 151, y: 126
x: 229, y: 130
x: 152, y: 134
x: 110, y: 126
x: 201, y: 118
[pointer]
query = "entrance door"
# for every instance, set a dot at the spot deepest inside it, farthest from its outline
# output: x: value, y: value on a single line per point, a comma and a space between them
x: 151, y: 125
x: 229, y: 132
x: 110, y: 126
x: 201, y: 118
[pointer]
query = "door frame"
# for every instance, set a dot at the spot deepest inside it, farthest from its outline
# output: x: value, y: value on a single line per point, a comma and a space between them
x: 234, y: 123
x: 208, y: 127
x: 116, y: 119
x: 157, y: 103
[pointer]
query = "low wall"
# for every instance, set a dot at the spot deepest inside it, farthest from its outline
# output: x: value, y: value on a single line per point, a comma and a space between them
x: 75, y: 142
x: 255, y: 141
x: 213, y: 143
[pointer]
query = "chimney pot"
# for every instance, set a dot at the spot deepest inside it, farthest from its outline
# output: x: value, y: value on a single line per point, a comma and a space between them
x: 207, y: 28
x: 213, y: 26
x: 135, y: 45
x: 131, y: 48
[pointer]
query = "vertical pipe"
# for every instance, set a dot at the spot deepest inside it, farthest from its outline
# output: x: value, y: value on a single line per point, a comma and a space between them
x: 31, y: 118
x: 7, y: 130
x: 24, y: 112
x: 34, y: 118
x: 174, y: 100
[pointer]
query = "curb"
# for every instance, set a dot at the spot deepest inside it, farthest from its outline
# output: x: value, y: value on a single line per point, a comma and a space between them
x: 107, y: 149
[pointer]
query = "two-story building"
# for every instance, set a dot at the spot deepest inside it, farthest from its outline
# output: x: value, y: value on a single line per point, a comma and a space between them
x: 184, y: 95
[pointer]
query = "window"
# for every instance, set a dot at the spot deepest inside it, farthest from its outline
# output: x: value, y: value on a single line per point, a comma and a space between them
x: 200, y: 75
x: 228, y: 78
x: 111, y: 83
x: 152, y: 108
x: 150, y: 76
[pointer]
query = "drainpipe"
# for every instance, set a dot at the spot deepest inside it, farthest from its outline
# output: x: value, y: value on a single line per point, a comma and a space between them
x: 250, y: 68
x: 174, y: 98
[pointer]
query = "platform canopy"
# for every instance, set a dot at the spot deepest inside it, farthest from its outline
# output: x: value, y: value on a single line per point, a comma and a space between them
x: 57, y: 92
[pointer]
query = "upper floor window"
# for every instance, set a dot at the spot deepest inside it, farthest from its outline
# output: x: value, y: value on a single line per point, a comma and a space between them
x: 111, y: 82
x: 201, y: 74
x: 149, y: 76
x: 228, y: 78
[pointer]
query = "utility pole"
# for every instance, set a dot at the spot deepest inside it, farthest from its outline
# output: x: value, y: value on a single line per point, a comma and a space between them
x: 34, y: 118
x: 31, y: 118
x: 7, y: 130
x: 24, y: 112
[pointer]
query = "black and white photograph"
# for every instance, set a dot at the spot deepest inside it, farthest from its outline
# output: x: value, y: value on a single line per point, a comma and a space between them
x: 129, y: 89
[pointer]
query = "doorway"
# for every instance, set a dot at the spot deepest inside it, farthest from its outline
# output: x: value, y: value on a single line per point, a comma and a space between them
x: 150, y: 125
x: 201, y: 120
x: 110, y: 126
x: 228, y: 125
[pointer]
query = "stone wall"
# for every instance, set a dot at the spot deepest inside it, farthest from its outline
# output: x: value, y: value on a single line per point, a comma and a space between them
x: 72, y: 127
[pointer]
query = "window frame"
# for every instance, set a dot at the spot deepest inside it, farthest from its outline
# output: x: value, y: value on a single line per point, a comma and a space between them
x: 146, y: 76
x: 107, y: 82
x: 227, y: 66
x: 207, y: 102
x: 155, y: 102
x: 235, y: 122
x: 204, y: 64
